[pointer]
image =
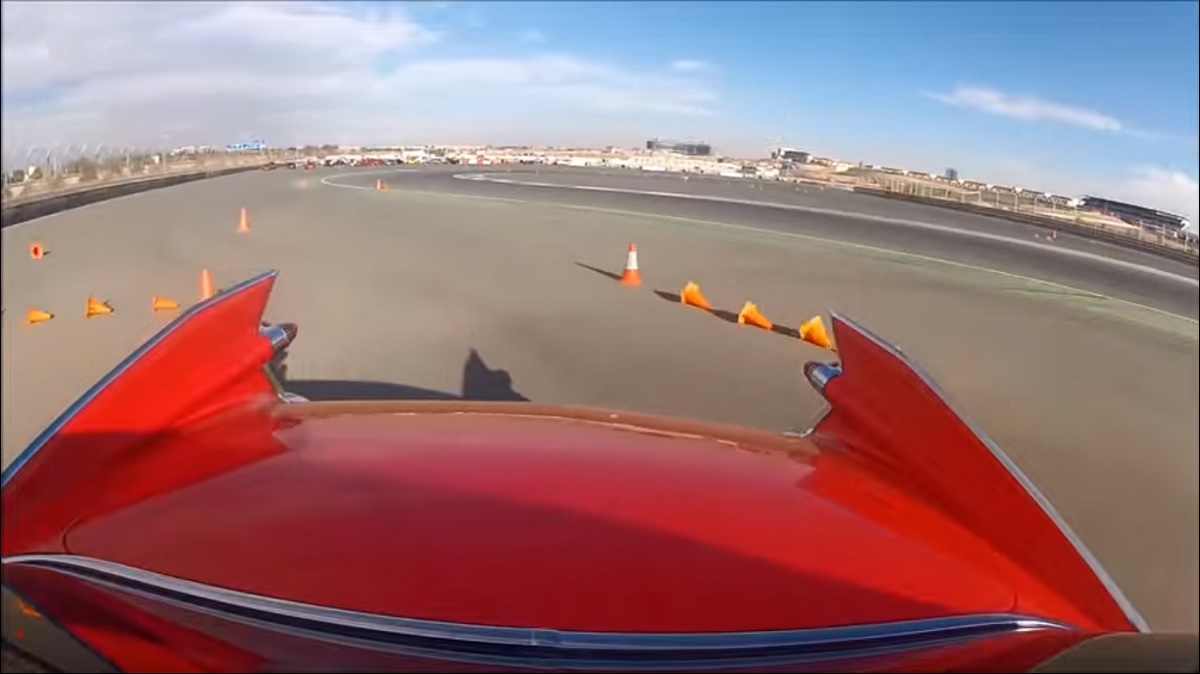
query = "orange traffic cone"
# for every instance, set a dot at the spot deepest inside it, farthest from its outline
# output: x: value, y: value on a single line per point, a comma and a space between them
x: 380, y: 185
x: 691, y: 295
x: 96, y: 307
x: 37, y: 316
x: 631, y: 277
x: 244, y: 223
x: 813, y: 332
x: 36, y: 251
x: 750, y: 315
x: 206, y: 286
x: 163, y: 303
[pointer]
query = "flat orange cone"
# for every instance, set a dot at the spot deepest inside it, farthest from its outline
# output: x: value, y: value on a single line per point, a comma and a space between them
x: 631, y: 277
x: 206, y: 287
x: 37, y: 316
x: 244, y: 223
x: 750, y: 315
x: 813, y: 332
x: 163, y: 303
x: 36, y: 251
x: 691, y: 295
x: 96, y: 307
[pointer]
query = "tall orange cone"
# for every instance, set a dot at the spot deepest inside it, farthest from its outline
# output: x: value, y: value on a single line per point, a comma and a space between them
x: 692, y: 296
x: 750, y: 315
x: 813, y: 332
x: 244, y: 223
x: 206, y: 286
x: 37, y: 316
x: 631, y: 277
x: 96, y: 307
x: 36, y: 251
x: 163, y: 304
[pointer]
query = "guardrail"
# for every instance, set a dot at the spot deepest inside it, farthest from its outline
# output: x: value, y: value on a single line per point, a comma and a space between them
x: 40, y: 204
x: 1066, y: 226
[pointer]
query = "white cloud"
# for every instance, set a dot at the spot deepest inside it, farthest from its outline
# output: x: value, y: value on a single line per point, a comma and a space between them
x: 1164, y: 189
x: 1028, y: 108
x: 292, y: 72
x: 690, y: 65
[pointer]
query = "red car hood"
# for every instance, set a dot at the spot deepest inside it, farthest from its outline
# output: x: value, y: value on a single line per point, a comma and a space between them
x: 533, y: 517
x: 186, y: 481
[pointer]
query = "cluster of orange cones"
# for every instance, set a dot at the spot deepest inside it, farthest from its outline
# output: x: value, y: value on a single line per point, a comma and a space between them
x: 97, y: 307
x: 812, y: 331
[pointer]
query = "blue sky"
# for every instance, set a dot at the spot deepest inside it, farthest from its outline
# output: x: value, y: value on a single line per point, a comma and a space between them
x: 863, y: 79
x: 1072, y: 96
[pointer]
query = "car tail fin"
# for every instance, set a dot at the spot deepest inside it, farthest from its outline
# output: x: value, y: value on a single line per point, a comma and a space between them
x: 888, y: 416
x: 211, y: 358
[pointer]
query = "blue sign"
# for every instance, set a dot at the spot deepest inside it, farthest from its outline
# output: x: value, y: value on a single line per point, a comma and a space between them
x: 251, y: 146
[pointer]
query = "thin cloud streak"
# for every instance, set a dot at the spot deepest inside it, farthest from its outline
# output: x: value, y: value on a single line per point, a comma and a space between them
x: 1028, y: 108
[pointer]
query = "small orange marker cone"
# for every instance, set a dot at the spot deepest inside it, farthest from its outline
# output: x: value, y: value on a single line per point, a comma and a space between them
x: 36, y: 251
x: 206, y: 286
x: 750, y: 315
x: 244, y: 223
x: 163, y: 303
x: 37, y: 316
x: 691, y: 295
x: 631, y: 277
x: 380, y: 185
x: 813, y: 332
x: 96, y: 307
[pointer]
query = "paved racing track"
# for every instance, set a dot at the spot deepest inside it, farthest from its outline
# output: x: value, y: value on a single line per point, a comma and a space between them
x: 1089, y: 382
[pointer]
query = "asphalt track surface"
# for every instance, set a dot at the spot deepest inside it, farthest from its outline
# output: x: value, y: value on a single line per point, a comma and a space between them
x: 445, y: 287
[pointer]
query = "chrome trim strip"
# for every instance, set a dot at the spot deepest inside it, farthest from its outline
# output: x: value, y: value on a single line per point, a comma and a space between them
x: 75, y: 407
x: 824, y: 641
x: 1131, y: 613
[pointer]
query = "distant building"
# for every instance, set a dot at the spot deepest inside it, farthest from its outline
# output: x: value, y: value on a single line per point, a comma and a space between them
x: 688, y: 148
x: 792, y: 155
x: 951, y: 174
x: 1135, y: 215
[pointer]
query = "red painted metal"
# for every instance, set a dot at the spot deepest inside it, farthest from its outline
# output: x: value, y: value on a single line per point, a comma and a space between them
x: 529, y: 521
x: 900, y: 436
x: 209, y: 363
x: 143, y: 636
x: 529, y: 516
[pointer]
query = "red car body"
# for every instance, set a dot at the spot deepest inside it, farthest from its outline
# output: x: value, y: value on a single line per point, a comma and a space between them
x: 185, y: 515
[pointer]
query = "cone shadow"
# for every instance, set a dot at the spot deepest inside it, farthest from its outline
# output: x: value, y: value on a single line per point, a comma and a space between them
x: 602, y: 272
x: 725, y: 315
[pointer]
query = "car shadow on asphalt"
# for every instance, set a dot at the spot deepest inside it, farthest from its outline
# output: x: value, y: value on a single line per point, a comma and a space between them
x: 479, y: 382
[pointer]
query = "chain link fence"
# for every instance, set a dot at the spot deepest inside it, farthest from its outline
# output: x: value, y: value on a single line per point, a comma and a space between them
x: 43, y: 172
x: 1055, y: 210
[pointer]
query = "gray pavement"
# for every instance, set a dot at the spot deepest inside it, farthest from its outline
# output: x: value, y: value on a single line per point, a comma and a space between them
x: 1023, y: 253
x: 393, y: 291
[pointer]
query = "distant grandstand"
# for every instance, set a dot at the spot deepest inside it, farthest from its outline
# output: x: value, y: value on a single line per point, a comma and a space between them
x: 689, y: 148
x: 1135, y: 215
